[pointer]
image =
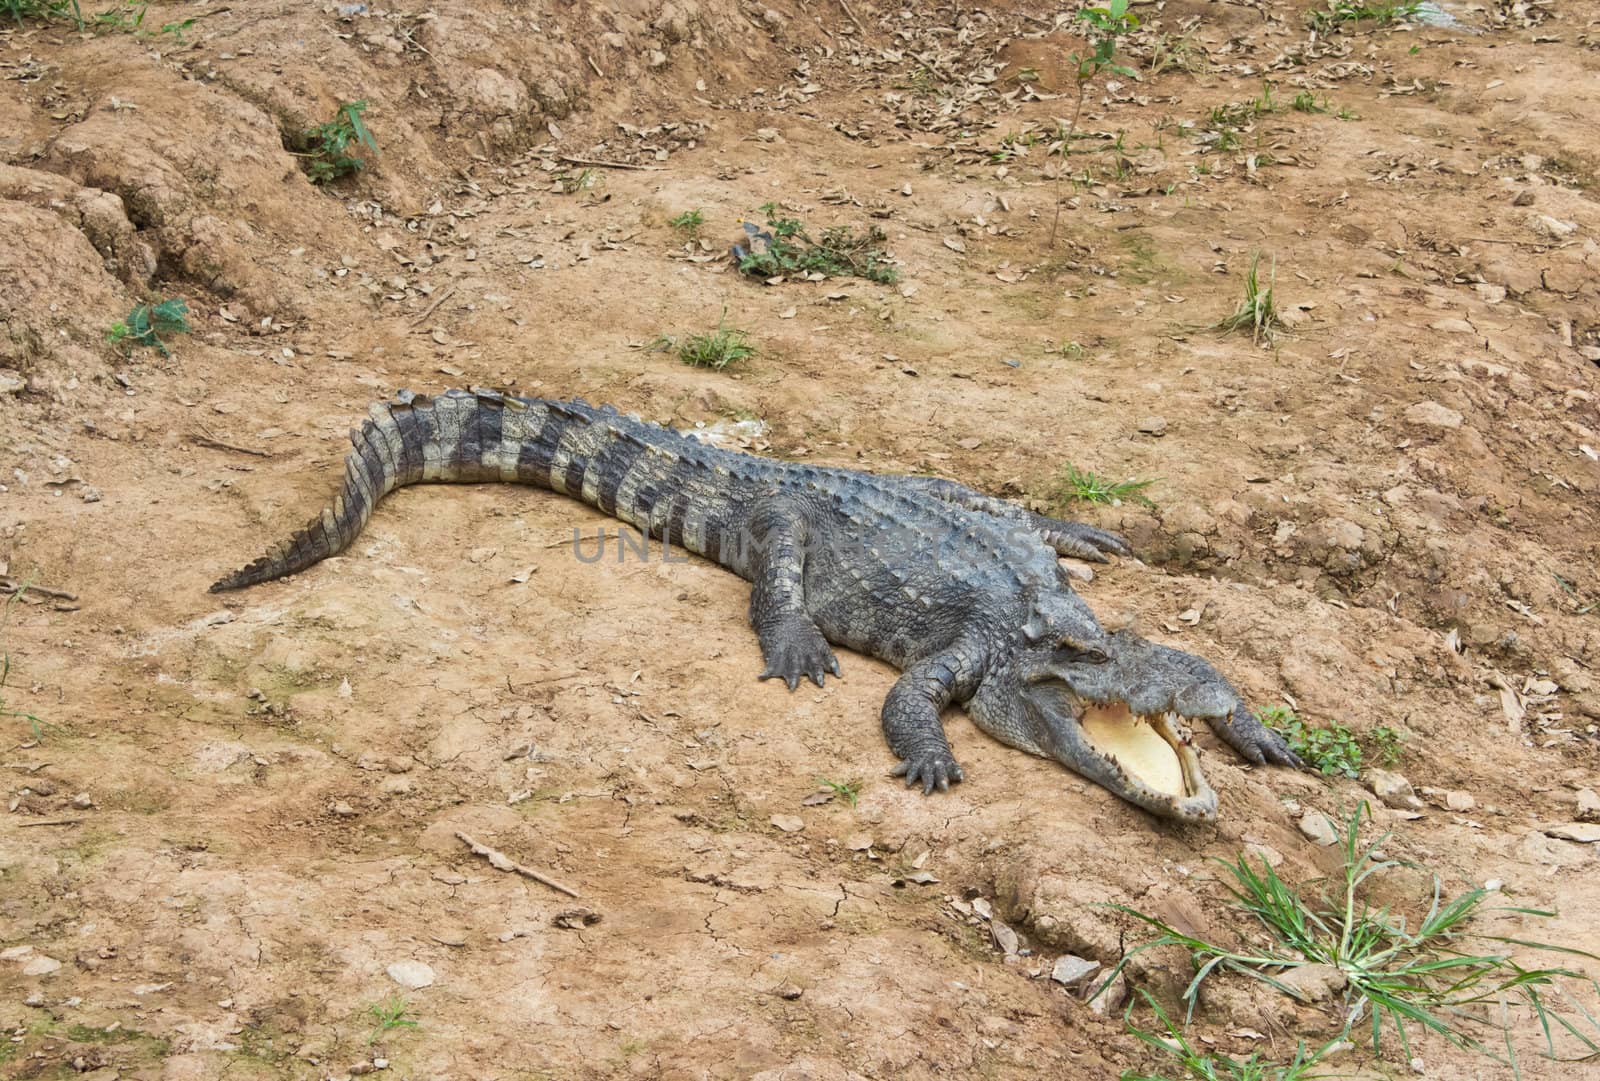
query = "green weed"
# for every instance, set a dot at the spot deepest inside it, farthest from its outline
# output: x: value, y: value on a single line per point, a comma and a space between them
x: 1339, y: 12
x: 1080, y: 485
x: 1440, y: 975
x: 147, y: 323
x: 391, y: 1013
x: 840, y: 252
x: 1208, y: 1067
x: 848, y: 791
x: 1387, y: 745
x: 716, y: 349
x: 1104, y: 27
x: 1258, y: 311
x: 327, y: 147
x: 1333, y: 751
x: 43, y: 9
x: 689, y: 221
x: 1307, y: 102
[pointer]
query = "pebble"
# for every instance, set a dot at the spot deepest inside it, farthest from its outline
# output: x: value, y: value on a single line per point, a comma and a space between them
x: 1582, y: 832
x: 1459, y: 801
x: 1153, y: 426
x: 789, y: 823
x: 1318, y: 829
x: 40, y: 965
x: 1072, y: 972
x: 1393, y: 789
x: 1588, y: 805
x: 1433, y: 415
x: 412, y: 975
x: 1313, y: 983
x: 344, y: 810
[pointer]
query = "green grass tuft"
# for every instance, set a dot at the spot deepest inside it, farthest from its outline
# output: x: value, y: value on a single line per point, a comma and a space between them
x: 1209, y: 1067
x: 716, y: 349
x: 327, y: 148
x: 391, y: 1013
x: 689, y: 221
x: 848, y: 791
x: 1438, y: 974
x: 1078, y: 485
x: 1258, y: 311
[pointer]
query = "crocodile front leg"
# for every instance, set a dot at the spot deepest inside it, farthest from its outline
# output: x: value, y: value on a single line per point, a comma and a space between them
x: 791, y: 645
x: 912, y: 724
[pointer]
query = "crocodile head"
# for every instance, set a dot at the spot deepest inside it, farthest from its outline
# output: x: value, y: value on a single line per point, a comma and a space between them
x: 1117, y: 709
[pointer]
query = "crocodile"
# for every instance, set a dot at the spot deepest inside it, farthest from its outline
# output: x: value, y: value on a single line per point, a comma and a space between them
x: 962, y: 592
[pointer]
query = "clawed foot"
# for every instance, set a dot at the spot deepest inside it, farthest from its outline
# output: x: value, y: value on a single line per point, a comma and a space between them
x: 934, y: 768
x: 1081, y: 541
x: 797, y: 649
x: 1252, y: 739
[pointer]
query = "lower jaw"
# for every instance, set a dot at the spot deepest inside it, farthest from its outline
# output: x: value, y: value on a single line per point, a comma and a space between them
x: 1156, y: 758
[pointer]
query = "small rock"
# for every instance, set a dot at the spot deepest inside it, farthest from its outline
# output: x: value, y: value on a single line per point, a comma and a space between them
x: 1111, y: 998
x: 1588, y: 805
x: 344, y: 810
x: 1317, y: 828
x: 1072, y: 972
x: 40, y: 965
x: 1459, y: 801
x: 412, y: 975
x: 82, y: 801
x: 1153, y: 426
x: 769, y: 135
x: 789, y: 992
x: 1582, y: 833
x: 1004, y: 937
x: 789, y: 823
x: 858, y: 842
x: 1265, y: 853
x: 1433, y: 415
x: 1313, y: 983
x: 15, y: 953
x: 1393, y: 789
x: 1551, y: 228
x: 11, y: 382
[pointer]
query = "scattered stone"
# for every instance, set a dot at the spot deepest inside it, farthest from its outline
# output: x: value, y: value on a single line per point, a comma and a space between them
x: 1004, y: 937
x: 82, y: 801
x: 412, y: 975
x: 769, y: 135
x: 11, y: 382
x: 1313, y: 983
x: 858, y: 842
x: 1265, y: 853
x: 1073, y: 972
x: 789, y: 823
x: 1459, y: 801
x: 40, y: 965
x: 575, y: 919
x: 1588, y: 805
x: 1112, y: 998
x: 1317, y: 828
x: 1581, y: 832
x: 1433, y: 415
x: 1551, y: 228
x: 1153, y: 426
x: 789, y: 992
x: 1393, y: 789
x: 344, y: 810
x: 15, y: 953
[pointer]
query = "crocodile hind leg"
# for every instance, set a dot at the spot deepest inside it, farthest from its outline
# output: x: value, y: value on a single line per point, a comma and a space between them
x: 1067, y: 538
x: 791, y: 644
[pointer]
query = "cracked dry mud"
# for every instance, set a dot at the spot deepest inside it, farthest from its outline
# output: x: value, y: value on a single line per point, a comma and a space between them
x: 1388, y: 516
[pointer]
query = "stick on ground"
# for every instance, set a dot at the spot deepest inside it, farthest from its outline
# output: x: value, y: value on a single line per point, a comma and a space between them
x: 502, y: 862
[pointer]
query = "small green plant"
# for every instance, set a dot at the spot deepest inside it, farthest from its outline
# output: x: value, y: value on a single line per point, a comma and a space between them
x: 839, y: 253
x: 43, y: 9
x: 583, y: 180
x: 1307, y: 102
x: 1080, y: 485
x: 1258, y: 311
x: 848, y: 791
x: 1333, y: 751
x: 1068, y: 350
x: 1104, y: 26
x: 391, y: 1013
x: 1387, y: 745
x: 327, y: 147
x: 147, y: 323
x: 689, y: 221
x: 1208, y: 1067
x: 718, y: 348
x: 1339, y: 12
x: 1438, y: 973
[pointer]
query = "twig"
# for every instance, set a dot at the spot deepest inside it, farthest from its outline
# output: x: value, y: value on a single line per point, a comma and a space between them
x: 609, y: 164
x: 431, y: 308
x: 1066, y: 151
x: 11, y: 585
x: 501, y: 862
x: 206, y: 439
x: 50, y: 822
x: 846, y: 5
x: 592, y: 64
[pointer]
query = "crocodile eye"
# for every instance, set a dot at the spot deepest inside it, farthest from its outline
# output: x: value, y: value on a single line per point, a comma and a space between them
x: 1073, y: 652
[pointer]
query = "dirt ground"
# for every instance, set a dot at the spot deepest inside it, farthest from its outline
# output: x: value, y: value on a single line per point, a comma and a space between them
x: 240, y: 815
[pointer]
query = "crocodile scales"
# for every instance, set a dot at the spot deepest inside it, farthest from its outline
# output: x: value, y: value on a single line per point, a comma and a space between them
x: 960, y: 591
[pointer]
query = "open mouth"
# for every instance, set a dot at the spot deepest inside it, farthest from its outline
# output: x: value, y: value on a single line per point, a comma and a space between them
x: 1153, y: 750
